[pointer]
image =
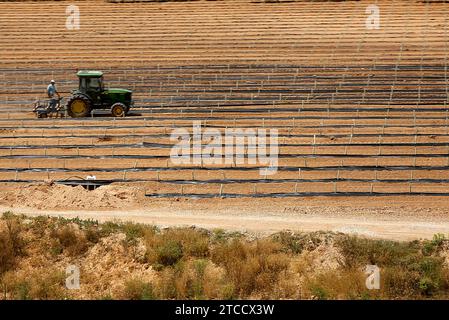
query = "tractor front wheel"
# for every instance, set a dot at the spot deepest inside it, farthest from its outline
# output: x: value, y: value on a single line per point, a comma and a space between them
x: 78, y: 106
x: 118, y: 110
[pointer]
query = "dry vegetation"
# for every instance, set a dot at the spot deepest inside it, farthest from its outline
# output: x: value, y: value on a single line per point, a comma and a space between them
x: 133, y: 261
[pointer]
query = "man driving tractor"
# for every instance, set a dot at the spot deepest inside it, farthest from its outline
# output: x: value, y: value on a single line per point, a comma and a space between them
x: 51, y: 92
x: 90, y: 95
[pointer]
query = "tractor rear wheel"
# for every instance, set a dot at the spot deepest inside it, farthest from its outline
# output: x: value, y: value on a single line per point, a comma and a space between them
x: 118, y: 110
x: 79, y: 106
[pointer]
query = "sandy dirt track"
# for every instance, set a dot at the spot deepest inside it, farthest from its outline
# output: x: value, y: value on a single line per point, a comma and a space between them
x: 369, y: 225
x: 399, y: 218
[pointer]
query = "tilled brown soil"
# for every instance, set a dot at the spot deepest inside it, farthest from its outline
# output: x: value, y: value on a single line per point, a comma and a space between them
x: 357, y: 110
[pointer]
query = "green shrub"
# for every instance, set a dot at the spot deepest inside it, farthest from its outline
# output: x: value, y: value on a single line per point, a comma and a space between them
x: 337, y: 284
x: 11, y: 242
x: 133, y: 231
x: 319, y: 292
x: 169, y: 253
x: 360, y: 251
x: 69, y: 240
x: 7, y: 255
x: 198, y: 280
x: 427, y: 286
x: 42, y: 284
x: 430, y: 247
x: 251, y: 267
x: 93, y: 234
x: 168, y: 247
x: 193, y: 279
x: 14, y: 229
x: 136, y: 289
x: 221, y: 236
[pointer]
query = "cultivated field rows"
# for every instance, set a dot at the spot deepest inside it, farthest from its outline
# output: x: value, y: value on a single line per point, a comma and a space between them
x: 358, y: 111
x: 264, y: 85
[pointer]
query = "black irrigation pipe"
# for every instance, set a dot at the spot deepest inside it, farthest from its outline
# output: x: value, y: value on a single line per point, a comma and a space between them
x: 256, y: 94
x: 289, y: 195
x: 152, y: 145
x: 284, y: 98
x: 197, y: 168
x: 296, y: 109
x: 273, y: 109
x: 219, y: 102
x: 268, y: 117
x: 183, y: 101
x: 158, y: 69
x: 73, y: 182
x: 168, y: 126
x: 336, y: 100
x: 212, y: 79
x: 240, y: 181
x: 252, y: 83
x: 241, y: 156
x: 265, y: 181
x: 350, y: 90
x: 248, y: 66
x: 188, y: 71
x: 286, y: 135
x: 288, y: 95
x: 226, y: 66
x: 264, y: 86
x: 244, y: 89
x: 299, y: 117
x: 297, y: 113
x: 368, y: 144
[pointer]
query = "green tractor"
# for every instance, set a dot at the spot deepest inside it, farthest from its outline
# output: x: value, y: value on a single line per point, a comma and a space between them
x: 91, y: 95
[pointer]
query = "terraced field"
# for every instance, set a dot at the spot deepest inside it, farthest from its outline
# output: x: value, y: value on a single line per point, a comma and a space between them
x: 358, y: 111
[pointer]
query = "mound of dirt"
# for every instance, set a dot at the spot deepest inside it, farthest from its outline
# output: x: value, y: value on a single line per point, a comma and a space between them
x: 109, y: 263
x: 56, y: 196
x: 104, y: 268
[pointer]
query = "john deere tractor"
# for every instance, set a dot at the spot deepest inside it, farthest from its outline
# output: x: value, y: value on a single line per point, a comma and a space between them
x: 91, y: 95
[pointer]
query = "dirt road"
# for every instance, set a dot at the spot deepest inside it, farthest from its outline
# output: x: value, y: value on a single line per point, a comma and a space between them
x: 392, y: 217
x: 370, y: 222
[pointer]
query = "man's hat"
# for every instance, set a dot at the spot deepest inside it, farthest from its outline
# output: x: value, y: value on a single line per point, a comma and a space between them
x: 52, y: 81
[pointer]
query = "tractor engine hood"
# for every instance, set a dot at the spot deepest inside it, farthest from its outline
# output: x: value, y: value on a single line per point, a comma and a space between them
x: 116, y: 90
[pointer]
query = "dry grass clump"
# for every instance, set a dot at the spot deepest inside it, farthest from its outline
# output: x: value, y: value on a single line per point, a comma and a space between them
x: 41, y: 284
x: 11, y: 242
x: 7, y: 256
x: 343, y: 284
x: 193, y: 279
x: 196, y: 265
x: 139, y: 262
x: 297, y: 242
x: 408, y: 269
x: 138, y: 289
x: 168, y: 247
x: 69, y: 240
x: 252, y: 268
